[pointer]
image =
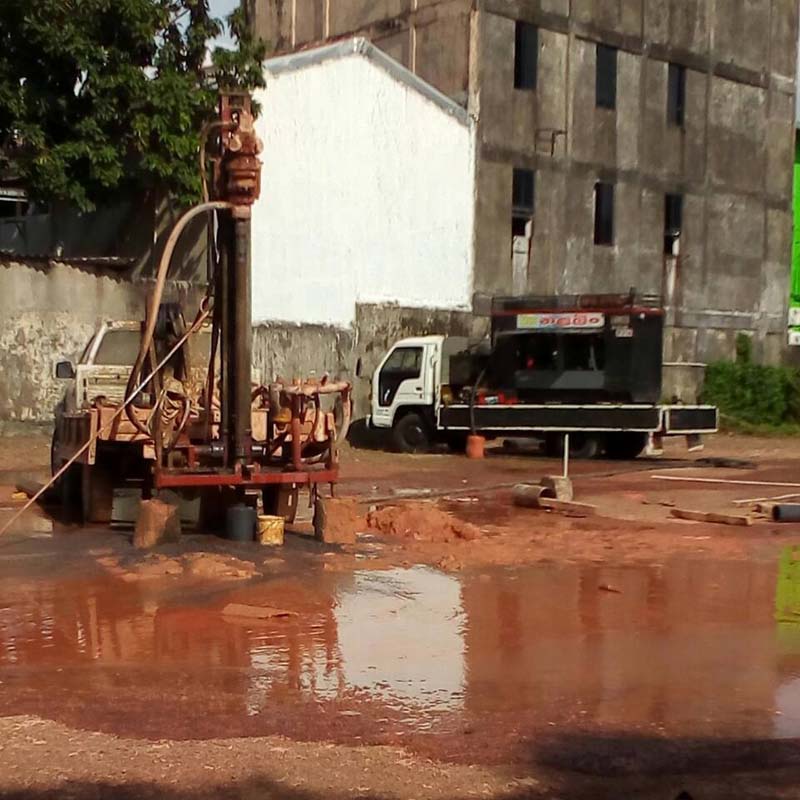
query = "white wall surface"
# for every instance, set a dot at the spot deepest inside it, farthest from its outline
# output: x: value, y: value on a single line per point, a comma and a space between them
x: 367, y: 196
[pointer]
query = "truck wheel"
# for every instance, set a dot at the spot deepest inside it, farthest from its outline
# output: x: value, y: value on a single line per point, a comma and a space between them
x: 97, y: 493
x: 581, y: 445
x: 410, y: 434
x: 626, y: 445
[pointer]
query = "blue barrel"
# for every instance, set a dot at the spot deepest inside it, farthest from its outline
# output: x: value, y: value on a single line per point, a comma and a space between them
x: 240, y: 523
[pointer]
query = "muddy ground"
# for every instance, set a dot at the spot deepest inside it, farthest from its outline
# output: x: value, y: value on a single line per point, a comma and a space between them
x: 462, y: 647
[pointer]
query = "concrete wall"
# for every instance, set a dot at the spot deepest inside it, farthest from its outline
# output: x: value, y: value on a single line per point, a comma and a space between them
x: 429, y: 37
x: 289, y: 350
x: 49, y: 311
x: 368, y: 186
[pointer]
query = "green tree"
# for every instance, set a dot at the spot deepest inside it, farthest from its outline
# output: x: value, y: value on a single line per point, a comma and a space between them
x: 103, y: 97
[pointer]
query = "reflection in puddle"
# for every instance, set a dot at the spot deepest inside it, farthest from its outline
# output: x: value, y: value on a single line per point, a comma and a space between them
x: 396, y: 635
x: 689, y: 648
x: 401, y: 634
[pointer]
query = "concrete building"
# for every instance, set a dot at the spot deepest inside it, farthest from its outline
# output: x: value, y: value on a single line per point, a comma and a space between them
x: 618, y: 144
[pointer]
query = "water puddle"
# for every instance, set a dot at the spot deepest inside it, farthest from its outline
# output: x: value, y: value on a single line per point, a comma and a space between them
x: 479, y: 663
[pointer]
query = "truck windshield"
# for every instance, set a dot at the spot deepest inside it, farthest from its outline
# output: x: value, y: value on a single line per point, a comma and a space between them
x: 405, y: 363
x: 118, y: 348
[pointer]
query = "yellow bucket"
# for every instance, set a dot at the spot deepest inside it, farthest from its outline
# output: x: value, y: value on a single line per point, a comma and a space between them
x: 270, y: 530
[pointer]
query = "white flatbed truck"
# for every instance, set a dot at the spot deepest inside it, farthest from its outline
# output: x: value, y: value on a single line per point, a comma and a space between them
x: 592, y: 373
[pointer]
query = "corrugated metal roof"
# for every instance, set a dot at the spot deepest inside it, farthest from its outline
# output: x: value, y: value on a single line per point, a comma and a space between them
x: 116, y: 262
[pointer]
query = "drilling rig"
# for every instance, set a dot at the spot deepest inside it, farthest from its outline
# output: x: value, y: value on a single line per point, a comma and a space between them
x: 217, y: 433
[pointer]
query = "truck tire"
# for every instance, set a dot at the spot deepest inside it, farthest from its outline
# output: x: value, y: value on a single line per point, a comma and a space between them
x: 581, y: 445
x: 625, y: 445
x: 410, y: 434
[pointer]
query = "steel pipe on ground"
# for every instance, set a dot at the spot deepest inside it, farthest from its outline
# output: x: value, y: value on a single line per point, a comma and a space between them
x: 788, y: 512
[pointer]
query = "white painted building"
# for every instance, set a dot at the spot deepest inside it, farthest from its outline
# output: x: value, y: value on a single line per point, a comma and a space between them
x: 367, y: 190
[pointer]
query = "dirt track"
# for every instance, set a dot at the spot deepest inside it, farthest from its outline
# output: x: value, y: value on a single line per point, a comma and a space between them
x: 628, y: 654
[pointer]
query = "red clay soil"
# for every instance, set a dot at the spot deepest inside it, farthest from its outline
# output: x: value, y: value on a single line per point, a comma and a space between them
x: 421, y: 522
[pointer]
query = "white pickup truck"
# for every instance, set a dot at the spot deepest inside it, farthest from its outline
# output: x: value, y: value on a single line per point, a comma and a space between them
x: 422, y: 392
x: 93, y: 389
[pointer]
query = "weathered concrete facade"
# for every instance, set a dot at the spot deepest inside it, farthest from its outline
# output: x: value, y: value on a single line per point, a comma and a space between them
x: 728, y: 157
x: 729, y: 160
x: 430, y: 37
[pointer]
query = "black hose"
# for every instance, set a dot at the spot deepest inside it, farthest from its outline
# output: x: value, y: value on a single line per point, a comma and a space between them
x: 472, y: 394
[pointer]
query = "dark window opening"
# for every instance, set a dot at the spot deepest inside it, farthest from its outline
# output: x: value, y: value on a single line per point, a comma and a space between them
x: 603, y: 213
x: 585, y: 352
x: 519, y: 226
x: 538, y: 352
x: 526, y: 55
x: 676, y: 94
x: 522, y: 200
x: 522, y: 353
x: 673, y: 222
x: 11, y: 207
x: 606, y: 78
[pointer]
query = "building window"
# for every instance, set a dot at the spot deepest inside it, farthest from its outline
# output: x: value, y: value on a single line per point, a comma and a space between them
x: 673, y: 222
x: 522, y: 200
x: 676, y: 94
x: 604, y: 213
x: 606, y: 83
x: 526, y: 55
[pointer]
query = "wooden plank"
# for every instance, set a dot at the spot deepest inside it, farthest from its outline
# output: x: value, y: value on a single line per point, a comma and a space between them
x: 724, y: 481
x: 753, y: 500
x: 255, y: 612
x: 567, y: 506
x: 710, y: 516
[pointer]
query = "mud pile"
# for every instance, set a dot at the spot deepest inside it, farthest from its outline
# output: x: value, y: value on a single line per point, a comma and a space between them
x: 422, y: 522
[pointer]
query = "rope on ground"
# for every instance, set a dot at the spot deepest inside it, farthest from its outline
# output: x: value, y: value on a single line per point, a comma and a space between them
x: 196, y: 325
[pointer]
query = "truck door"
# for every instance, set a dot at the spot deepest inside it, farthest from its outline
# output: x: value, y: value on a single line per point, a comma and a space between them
x: 399, y: 382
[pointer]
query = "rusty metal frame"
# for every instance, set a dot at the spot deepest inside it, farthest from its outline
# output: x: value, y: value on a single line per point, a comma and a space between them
x: 166, y: 478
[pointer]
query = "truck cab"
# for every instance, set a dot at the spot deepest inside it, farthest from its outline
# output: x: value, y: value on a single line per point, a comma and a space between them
x: 404, y: 390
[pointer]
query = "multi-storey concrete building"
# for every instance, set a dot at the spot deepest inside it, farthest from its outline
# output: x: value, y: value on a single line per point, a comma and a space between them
x: 619, y: 143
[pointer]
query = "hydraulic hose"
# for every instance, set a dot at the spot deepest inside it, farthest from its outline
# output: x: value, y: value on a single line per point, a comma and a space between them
x: 155, y: 301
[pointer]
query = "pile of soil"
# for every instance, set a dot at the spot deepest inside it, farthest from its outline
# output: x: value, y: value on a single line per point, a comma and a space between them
x: 422, y: 522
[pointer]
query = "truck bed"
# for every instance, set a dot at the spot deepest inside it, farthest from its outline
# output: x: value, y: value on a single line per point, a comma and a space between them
x: 667, y: 419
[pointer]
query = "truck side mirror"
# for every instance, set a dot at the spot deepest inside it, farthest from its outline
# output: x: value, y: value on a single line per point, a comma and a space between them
x: 65, y: 371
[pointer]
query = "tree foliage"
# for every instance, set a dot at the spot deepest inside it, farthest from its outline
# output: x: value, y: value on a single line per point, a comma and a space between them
x: 103, y: 97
